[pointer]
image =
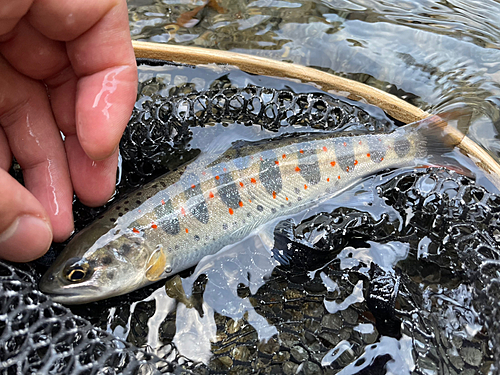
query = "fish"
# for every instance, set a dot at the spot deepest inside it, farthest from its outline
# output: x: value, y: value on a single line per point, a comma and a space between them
x: 187, y: 19
x: 171, y: 223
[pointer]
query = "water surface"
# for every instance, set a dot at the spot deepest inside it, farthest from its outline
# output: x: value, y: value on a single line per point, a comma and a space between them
x: 236, y: 312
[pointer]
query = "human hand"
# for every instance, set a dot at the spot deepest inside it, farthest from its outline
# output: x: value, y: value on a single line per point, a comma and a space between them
x: 65, y: 66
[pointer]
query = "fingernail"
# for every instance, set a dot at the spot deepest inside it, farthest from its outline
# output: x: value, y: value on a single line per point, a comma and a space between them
x: 26, y: 239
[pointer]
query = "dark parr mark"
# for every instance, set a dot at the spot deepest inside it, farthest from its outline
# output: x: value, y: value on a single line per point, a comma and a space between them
x: 345, y: 154
x: 228, y: 192
x: 377, y: 149
x: 193, y: 192
x: 402, y: 147
x: 166, y: 219
x: 269, y: 173
x: 309, y: 166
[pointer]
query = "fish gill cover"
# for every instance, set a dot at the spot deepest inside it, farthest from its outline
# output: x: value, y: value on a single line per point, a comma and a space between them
x: 338, y: 303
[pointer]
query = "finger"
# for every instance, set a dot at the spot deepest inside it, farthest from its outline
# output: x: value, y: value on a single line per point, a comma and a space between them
x: 68, y: 20
x: 5, y: 154
x: 102, y: 57
x: 25, y: 230
x: 11, y: 11
x: 94, y: 181
x: 32, y: 53
x: 35, y: 141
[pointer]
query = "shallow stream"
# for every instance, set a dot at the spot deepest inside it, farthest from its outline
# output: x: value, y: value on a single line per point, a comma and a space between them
x: 396, y: 275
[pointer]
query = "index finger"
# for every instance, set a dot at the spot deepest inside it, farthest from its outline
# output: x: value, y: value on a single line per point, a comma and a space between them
x: 100, y: 51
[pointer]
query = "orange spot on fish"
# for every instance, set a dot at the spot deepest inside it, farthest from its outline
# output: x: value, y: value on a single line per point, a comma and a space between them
x: 162, y: 201
x: 283, y: 156
x: 217, y: 177
x: 297, y: 169
x: 360, y: 142
x: 210, y: 195
x: 328, y: 179
x: 355, y: 162
x: 301, y: 151
x: 154, y: 226
x: 325, y: 149
x: 203, y: 173
x: 305, y: 187
x: 240, y: 203
x: 224, y: 169
x: 333, y: 163
x: 339, y: 177
x: 274, y: 195
x: 253, y: 181
x: 183, y: 211
x: 135, y: 230
x: 187, y: 230
x: 241, y: 184
x: 231, y: 211
x: 286, y: 198
x: 367, y: 155
x: 381, y: 159
x: 276, y: 162
x: 261, y: 159
x: 193, y: 186
x: 347, y: 169
x: 345, y: 144
x: 250, y: 200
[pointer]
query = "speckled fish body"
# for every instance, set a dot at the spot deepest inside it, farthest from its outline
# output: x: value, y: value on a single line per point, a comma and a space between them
x: 174, y: 221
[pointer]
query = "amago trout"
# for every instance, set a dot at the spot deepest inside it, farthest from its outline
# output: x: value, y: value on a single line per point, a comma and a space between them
x: 171, y: 223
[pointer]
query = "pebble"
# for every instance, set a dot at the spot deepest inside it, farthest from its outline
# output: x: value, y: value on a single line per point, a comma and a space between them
x: 331, y: 321
x: 310, y: 368
x: 299, y: 353
x: 290, y: 368
x: 350, y: 315
x: 471, y: 356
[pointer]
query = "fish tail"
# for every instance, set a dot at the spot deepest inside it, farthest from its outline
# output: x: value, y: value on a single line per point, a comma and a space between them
x: 439, y: 133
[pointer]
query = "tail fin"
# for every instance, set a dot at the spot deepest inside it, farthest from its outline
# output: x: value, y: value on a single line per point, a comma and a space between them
x: 440, y: 132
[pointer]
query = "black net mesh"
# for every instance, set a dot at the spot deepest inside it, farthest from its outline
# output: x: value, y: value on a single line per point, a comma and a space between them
x: 443, y: 296
x: 159, y: 127
x: 42, y: 337
x: 418, y: 300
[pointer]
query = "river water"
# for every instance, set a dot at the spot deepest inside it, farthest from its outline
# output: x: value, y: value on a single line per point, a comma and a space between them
x: 429, y: 53
x: 236, y: 312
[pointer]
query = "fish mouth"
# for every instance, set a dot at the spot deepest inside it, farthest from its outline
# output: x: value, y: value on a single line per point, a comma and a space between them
x: 74, y: 297
x: 69, y: 294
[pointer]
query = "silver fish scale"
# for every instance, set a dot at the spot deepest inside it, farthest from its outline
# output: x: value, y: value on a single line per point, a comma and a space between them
x: 157, y: 129
x: 239, y: 200
x: 297, y: 311
x: 292, y: 304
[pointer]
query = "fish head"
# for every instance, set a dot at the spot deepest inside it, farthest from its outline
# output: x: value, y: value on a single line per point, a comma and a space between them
x: 88, y: 271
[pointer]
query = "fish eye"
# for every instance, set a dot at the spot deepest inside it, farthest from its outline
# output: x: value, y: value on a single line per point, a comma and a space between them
x: 77, y: 270
x: 76, y: 274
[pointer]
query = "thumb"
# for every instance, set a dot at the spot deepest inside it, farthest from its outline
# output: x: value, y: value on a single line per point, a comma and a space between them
x: 25, y: 230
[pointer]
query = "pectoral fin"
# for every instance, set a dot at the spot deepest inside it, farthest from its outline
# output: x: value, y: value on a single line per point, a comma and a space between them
x: 156, y: 265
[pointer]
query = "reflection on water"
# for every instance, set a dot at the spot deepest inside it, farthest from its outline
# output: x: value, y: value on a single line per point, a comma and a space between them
x: 399, y: 275
x: 388, y: 276
x: 430, y: 53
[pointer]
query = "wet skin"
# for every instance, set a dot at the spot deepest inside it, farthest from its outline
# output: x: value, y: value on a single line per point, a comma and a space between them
x: 64, y: 67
